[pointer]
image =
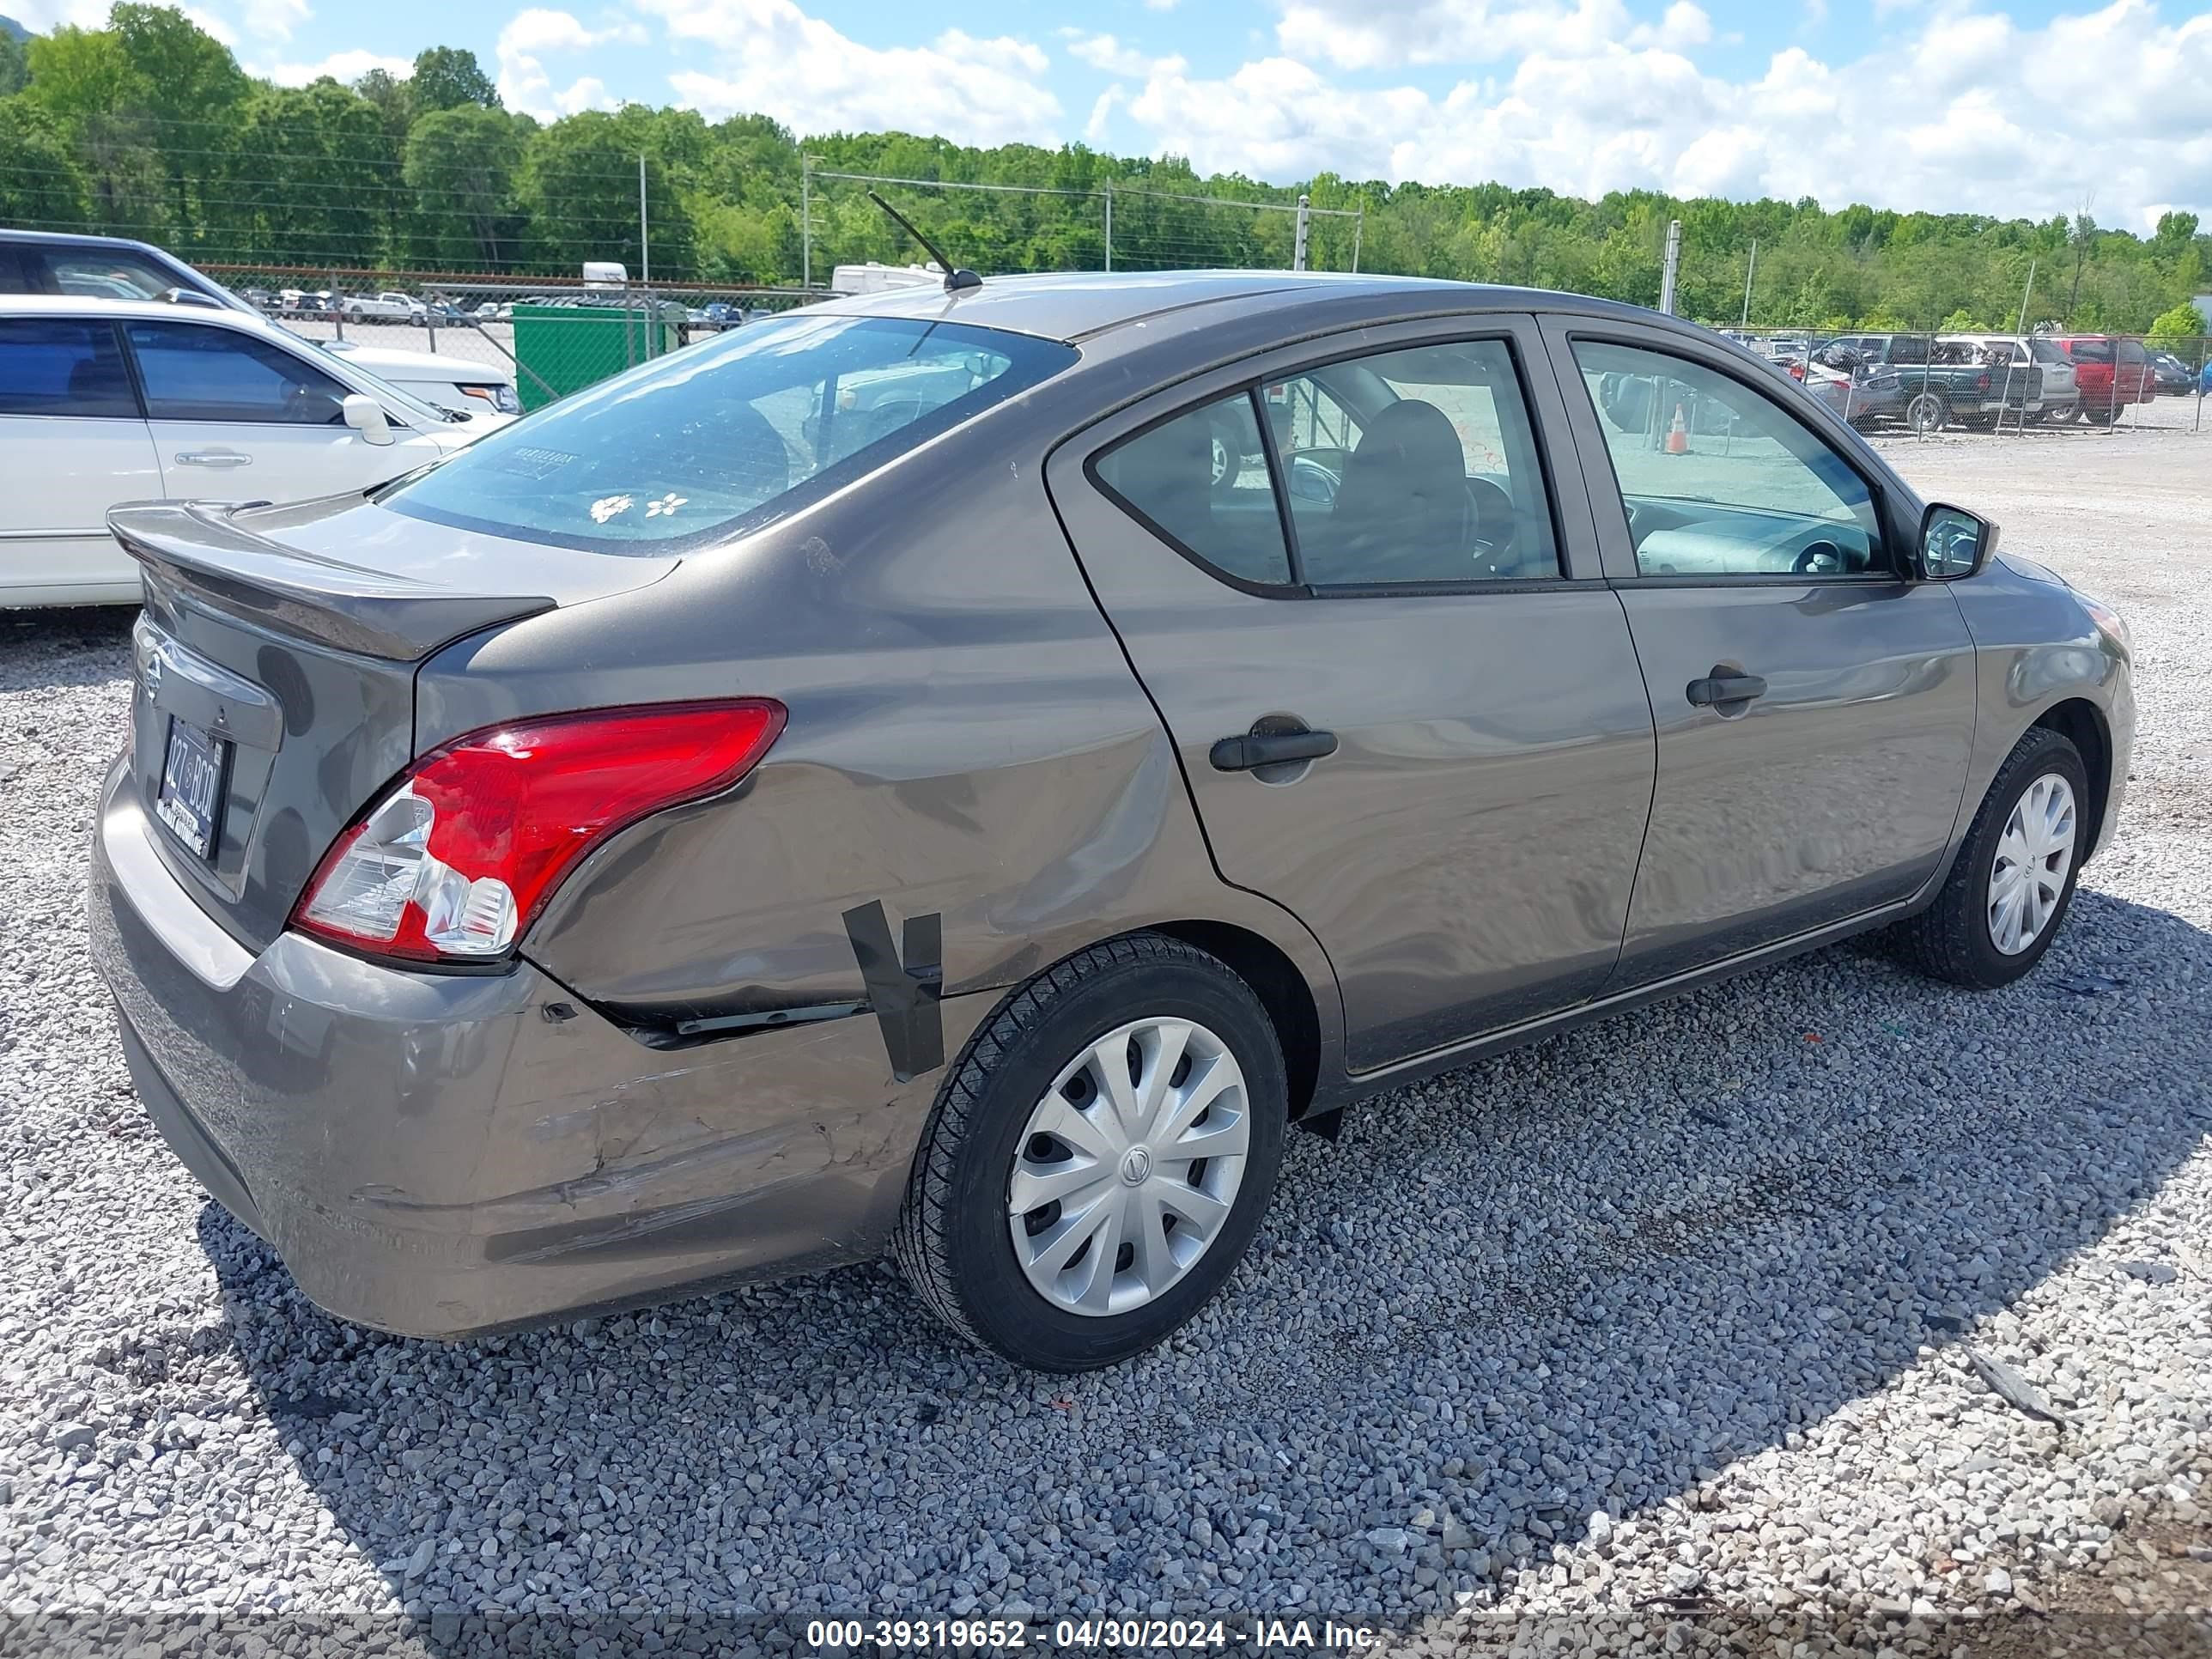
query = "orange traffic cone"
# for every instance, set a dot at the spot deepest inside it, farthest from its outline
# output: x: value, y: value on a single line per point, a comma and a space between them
x: 1678, y: 435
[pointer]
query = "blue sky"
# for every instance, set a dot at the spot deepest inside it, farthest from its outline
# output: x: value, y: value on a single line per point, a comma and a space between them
x: 1947, y: 105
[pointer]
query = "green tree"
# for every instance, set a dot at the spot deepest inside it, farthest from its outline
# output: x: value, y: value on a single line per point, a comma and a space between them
x: 41, y: 185
x: 14, y: 65
x: 2183, y: 324
x: 448, y: 78
x: 188, y: 88
x: 86, y: 82
x: 461, y: 168
x: 579, y: 183
x: 298, y: 160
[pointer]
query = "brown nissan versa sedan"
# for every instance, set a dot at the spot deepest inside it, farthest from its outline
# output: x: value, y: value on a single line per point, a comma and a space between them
x: 961, y: 771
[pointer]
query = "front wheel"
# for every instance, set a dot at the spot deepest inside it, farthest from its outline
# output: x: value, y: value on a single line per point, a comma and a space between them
x: 1927, y: 412
x: 2013, y: 883
x: 1099, y: 1158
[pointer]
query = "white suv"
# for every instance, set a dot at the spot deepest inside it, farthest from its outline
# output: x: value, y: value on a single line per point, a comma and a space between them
x: 107, y: 401
x: 111, y: 267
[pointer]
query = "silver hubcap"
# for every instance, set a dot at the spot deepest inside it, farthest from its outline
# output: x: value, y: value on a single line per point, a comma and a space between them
x: 1128, y: 1167
x: 2033, y: 856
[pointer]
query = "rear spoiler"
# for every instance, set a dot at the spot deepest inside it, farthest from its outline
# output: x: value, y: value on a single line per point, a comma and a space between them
x: 200, y: 546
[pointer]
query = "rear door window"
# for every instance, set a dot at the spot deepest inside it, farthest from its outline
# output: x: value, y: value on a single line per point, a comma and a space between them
x: 199, y: 372
x: 1438, y: 484
x: 2090, y: 351
x: 98, y: 274
x: 60, y: 366
x: 728, y: 435
x: 1201, y: 480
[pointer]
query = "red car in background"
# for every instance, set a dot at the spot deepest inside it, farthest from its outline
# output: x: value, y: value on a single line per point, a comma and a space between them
x: 2109, y: 373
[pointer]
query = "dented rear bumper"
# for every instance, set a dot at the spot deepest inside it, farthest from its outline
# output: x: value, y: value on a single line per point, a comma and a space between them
x: 440, y: 1155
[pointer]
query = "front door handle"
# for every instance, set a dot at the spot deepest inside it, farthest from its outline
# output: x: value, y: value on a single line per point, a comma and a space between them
x: 212, y: 457
x: 1248, y: 750
x: 1725, y: 686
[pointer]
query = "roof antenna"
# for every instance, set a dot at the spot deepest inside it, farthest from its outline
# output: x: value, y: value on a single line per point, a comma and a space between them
x: 955, y: 280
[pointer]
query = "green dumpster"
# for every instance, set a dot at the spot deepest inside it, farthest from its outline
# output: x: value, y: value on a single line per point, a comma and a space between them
x: 563, y: 349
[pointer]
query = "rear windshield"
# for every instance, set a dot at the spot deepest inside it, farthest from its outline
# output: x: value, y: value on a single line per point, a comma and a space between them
x: 726, y: 435
x: 2046, y: 352
x: 2090, y: 351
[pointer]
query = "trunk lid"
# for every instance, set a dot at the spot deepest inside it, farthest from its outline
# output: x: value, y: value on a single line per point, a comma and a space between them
x: 273, y: 672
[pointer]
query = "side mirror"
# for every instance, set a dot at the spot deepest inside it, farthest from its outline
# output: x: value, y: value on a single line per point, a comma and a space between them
x: 366, y: 416
x: 1954, y: 543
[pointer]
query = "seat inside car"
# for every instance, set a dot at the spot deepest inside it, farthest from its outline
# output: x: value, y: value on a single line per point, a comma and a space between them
x: 1403, y: 507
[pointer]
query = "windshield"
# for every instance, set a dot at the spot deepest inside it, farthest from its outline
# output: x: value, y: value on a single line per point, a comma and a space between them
x: 731, y: 433
x: 2045, y: 352
x: 2090, y: 351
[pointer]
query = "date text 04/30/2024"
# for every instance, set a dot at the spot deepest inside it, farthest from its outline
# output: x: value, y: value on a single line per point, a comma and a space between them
x: 991, y: 1635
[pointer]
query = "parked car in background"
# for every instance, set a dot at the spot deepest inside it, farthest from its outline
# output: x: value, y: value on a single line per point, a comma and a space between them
x: 104, y: 401
x: 1854, y: 389
x: 380, y: 308
x: 645, y: 904
x: 36, y: 262
x: 2110, y: 372
x: 720, y: 313
x: 1947, y: 379
x: 2175, y: 378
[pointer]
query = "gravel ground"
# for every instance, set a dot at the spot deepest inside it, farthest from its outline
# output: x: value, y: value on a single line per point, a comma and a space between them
x: 1690, y: 1328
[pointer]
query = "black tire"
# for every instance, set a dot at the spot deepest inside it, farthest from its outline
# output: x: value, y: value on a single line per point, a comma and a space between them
x: 1928, y: 412
x: 1951, y: 939
x: 2102, y: 415
x: 952, y: 1241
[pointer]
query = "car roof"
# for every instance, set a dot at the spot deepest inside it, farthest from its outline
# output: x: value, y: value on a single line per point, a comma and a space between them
x: 1077, y: 306
x: 79, y: 239
x: 78, y: 305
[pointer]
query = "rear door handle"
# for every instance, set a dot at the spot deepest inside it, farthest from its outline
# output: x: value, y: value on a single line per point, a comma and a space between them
x: 212, y: 457
x: 1725, y: 686
x: 1248, y: 749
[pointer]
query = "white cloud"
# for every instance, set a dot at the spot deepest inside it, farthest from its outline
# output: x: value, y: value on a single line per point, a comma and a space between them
x: 1684, y: 26
x: 1102, y: 111
x: 771, y: 57
x: 1367, y: 35
x: 275, y: 20
x: 1103, y: 52
x: 345, y: 66
x: 524, y: 81
x: 1585, y: 99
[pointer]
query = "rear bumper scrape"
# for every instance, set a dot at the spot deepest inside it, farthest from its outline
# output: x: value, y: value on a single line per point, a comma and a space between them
x: 440, y: 1155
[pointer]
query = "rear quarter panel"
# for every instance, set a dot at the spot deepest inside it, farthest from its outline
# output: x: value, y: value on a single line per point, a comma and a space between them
x: 966, y: 739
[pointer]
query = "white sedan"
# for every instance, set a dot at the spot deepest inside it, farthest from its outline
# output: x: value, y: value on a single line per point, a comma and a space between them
x: 107, y: 401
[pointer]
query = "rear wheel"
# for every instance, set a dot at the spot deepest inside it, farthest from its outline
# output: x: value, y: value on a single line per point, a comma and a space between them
x: 1928, y: 411
x: 1100, y: 1157
x: 2013, y: 883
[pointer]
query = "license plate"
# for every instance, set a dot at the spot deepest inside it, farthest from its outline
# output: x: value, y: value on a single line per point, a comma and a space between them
x: 193, y: 773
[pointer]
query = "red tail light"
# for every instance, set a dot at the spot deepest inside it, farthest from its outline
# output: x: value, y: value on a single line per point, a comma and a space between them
x: 455, y: 863
x: 1981, y: 382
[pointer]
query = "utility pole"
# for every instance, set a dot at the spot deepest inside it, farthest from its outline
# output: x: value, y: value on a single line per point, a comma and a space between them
x: 1358, y: 229
x: 644, y: 241
x: 1110, y: 227
x: 1673, y: 263
x: 805, y: 220
x: 1750, y: 267
x: 1298, y: 250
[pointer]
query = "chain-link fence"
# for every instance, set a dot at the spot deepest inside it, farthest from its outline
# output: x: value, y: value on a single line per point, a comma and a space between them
x: 546, y: 337
x: 1926, y: 383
